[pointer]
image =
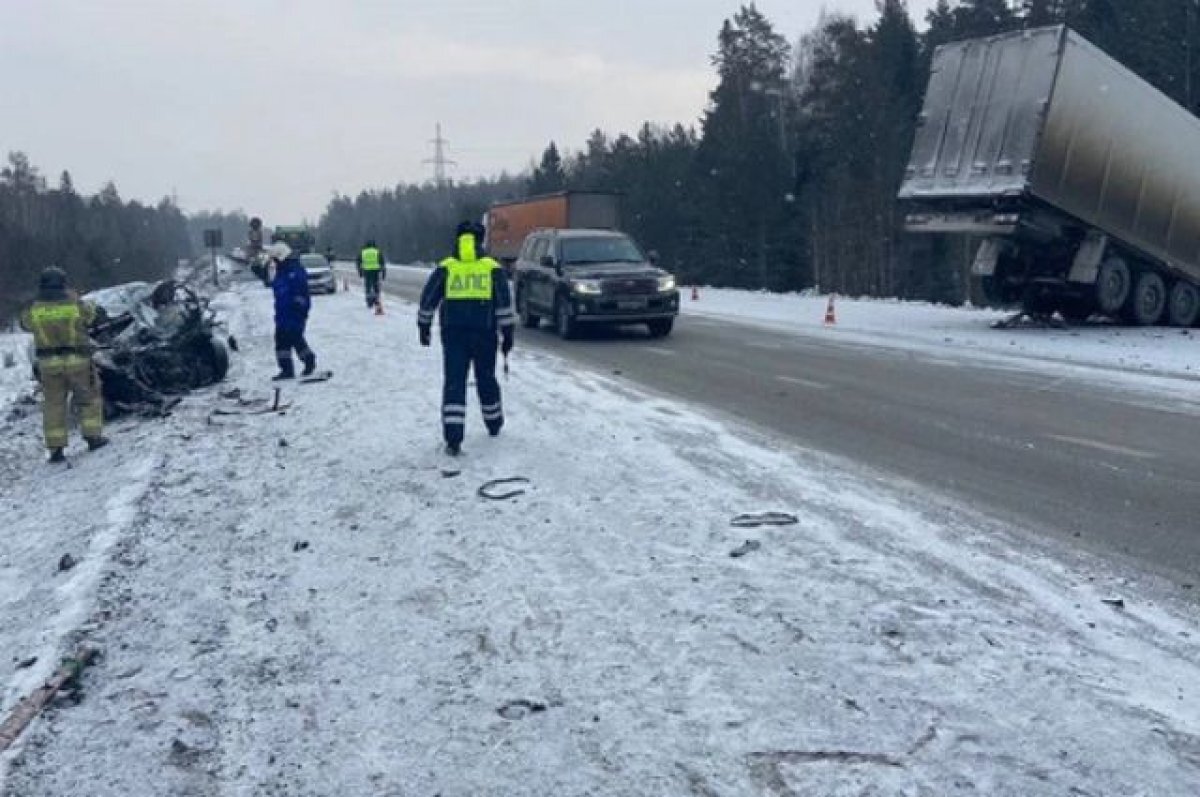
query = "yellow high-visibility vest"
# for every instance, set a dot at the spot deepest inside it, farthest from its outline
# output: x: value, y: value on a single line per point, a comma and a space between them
x: 468, y: 278
x: 60, y: 328
x: 370, y: 259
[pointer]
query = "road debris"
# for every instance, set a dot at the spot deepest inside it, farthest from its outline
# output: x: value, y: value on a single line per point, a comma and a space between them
x: 488, y: 489
x: 746, y: 547
x: 520, y: 709
x: 756, y: 519
x: 24, y: 712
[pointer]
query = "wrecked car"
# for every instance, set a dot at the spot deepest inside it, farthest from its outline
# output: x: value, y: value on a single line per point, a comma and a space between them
x: 153, y: 343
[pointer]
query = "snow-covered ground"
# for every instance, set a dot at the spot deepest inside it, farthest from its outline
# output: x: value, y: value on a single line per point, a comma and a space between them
x: 313, y: 603
x: 964, y: 332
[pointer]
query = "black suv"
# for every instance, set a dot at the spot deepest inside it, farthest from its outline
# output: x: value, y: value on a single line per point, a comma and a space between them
x: 592, y: 277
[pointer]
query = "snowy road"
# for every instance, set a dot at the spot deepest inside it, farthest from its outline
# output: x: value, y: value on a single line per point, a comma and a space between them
x: 307, y: 604
x: 1088, y: 436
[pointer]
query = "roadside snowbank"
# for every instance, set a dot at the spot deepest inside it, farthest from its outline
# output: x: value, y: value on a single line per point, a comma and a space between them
x: 314, y: 603
x: 960, y: 331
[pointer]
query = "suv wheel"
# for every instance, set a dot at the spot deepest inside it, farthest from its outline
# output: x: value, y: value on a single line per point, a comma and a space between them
x: 528, y: 319
x: 563, y: 322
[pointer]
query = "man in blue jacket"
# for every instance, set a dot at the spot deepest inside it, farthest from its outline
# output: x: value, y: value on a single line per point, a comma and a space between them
x: 475, y: 303
x: 292, y: 303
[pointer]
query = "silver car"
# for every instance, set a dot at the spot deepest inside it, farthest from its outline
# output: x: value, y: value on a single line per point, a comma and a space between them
x: 321, y: 278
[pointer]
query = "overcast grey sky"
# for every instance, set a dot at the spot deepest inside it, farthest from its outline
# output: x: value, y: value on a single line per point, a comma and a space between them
x: 272, y: 105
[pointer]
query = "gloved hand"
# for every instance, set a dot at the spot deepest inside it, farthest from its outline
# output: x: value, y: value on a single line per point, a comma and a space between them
x: 506, y: 341
x: 423, y: 330
x: 383, y: 275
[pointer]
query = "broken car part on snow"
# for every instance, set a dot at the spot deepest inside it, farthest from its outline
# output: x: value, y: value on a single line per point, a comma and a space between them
x: 31, y: 706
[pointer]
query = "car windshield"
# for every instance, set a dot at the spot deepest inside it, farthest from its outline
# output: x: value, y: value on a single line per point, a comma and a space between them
x: 609, y: 249
x: 314, y: 261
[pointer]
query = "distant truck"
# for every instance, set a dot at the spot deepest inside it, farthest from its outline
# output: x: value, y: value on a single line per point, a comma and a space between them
x: 299, y: 238
x: 508, y: 223
x: 1082, y: 179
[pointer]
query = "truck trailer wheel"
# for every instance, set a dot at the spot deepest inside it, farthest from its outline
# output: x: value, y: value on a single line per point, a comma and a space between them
x: 1148, y: 300
x: 1183, y: 304
x: 1112, y: 286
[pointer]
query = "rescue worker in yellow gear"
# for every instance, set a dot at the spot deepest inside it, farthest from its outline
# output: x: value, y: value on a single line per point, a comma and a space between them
x: 59, y: 323
x: 372, y: 270
x: 471, y: 292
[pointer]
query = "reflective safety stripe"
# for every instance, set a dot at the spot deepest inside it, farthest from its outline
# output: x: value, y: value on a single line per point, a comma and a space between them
x: 425, y: 316
x: 51, y: 313
x: 370, y: 259
x: 493, y: 416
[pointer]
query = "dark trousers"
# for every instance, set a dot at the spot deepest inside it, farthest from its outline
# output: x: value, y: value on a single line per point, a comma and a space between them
x: 371, y: 286
x: 287, y: 339
x: 462, y: 349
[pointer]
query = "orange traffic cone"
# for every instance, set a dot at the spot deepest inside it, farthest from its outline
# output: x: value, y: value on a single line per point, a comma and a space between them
x: 830, y: 314
x: 695, y: 293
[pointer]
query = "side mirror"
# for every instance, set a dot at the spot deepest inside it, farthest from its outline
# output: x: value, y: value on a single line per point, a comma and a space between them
x: 653, y: 255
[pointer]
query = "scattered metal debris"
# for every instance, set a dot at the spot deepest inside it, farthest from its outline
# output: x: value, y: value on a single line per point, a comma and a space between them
x: 756, y: 519
x: 66, y: 675
x: 520, y: 709
x: 488, y: 489
x: 746, y: 547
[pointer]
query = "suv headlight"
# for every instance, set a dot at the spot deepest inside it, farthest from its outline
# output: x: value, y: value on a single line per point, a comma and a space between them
x: 586, y: 287
x: 666, y: 283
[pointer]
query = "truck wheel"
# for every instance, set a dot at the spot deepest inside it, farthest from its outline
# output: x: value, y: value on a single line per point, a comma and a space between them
x: 1148, y: 300
x: 563, y: 322
x: 660, y: 327
x: 1183, y: 304
x: 1112, y: 286
x: 528, y: 319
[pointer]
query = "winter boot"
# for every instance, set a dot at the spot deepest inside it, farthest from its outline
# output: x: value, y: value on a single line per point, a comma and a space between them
x: 96, y: 443
x: 494, y: 428
x: 57, y: 455
x: 287, y: 367
x: 454, y: 449
x: 310, y: 365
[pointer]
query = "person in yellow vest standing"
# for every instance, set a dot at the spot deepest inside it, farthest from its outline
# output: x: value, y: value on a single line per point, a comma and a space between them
x: 59, y: 323
x: 476, y: 310
x: 372, y: 270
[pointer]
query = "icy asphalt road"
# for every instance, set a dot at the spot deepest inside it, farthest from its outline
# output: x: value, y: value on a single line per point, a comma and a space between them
x: 1112, y: 467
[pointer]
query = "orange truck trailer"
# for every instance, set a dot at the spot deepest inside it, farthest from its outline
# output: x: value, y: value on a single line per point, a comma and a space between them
x: 509, y: 222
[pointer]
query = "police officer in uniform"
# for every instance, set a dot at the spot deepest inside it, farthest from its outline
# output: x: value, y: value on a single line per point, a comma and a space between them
x: 476, y: 306
x: 372, y: 269
x: 59, y: 322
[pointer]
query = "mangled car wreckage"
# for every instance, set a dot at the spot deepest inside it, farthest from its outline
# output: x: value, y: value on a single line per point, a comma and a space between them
x: 153, y: 343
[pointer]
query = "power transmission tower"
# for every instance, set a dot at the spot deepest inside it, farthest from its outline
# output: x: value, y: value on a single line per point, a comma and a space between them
x: 439, y: 159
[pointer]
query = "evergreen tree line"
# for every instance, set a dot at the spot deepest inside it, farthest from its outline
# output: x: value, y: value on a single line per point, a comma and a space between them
x: 789, y: 181
x: 98, y: 240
